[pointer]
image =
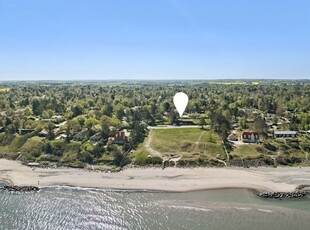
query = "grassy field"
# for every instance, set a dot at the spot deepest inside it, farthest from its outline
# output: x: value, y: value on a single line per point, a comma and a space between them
x: 234, y: 83
x: 191, y: 143
x: 4, y: 90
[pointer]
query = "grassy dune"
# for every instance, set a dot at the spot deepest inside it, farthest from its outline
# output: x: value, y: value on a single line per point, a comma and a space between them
x: 191, y: 143
x: 244, y: 151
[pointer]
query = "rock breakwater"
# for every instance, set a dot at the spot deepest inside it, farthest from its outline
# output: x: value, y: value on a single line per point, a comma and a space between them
x: 21, y: 188
x: 283, y: 195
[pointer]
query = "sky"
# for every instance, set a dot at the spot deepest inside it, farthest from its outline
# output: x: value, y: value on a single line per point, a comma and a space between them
x: 154, y: 39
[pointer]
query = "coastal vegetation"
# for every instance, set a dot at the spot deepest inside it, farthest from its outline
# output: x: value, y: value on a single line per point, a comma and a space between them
x: 111, y: 123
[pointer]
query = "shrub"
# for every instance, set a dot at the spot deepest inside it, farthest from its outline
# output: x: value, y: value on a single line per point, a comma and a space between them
x: 141, y: 158
x: 270, y: 147
x: 154, y: 160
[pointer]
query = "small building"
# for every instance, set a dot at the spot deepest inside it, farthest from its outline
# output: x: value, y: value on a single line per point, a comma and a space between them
x: 57, y: 117
x: 235, y: 125
x: 233, y: 137
x: 33, y: 164
x: 186, y: 122
x: 119, y: 138
x: 61, y: 137
x: 284, y: 134
x: 250, y: 137
x: 1, y: 129
x: 269, y: 124
x: 25, y: 131
x: 95, y: 138
x: 81, y: 135
x: 43, y: 133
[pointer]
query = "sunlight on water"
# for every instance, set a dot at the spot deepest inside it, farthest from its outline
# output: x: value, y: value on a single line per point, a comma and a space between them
x: 69, y: 208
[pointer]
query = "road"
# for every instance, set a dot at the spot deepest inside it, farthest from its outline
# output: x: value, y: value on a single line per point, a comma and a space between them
x: 176, y: 127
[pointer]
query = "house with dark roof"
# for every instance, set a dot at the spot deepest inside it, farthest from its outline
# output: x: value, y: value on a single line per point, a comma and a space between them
x: 25, y: 131
x: 81, y: 135
x: 43, y: 133
x: 95, y: 138
x: 284, y: 134
x: 186, y: 122
x: 250, y: 137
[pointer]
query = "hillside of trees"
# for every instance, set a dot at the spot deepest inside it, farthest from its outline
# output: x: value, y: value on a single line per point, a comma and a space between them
x: 57, y: 121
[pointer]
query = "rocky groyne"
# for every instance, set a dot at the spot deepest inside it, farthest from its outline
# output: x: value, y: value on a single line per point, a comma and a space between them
x: 283, y: 195
x: 20, y: 188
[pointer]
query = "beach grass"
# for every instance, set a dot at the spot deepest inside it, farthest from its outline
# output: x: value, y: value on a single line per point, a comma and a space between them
x: 246, y: 150
x: 191, y: 143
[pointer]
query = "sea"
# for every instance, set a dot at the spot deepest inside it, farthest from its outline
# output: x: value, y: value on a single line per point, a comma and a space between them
x: 80, y: 208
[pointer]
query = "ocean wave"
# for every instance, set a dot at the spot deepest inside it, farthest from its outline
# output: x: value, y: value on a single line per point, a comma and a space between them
x: 77, y: 188
x: 190, y: 208
x: 264, y: 210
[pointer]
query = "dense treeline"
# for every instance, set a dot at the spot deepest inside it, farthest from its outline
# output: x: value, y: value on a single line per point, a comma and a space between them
x: 106, y: 107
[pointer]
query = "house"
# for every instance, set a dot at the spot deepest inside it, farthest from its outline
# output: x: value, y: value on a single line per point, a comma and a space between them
x: 284, y: 134
x: 235, y: 125
x: 1, y: 129
x: 119, y: 138
x: 43, y: 133
x: 95, y: 138
x: 81, y: 135
x: 25, y: 131
x: 186, y: 122
x: 233, y: 137
x: 61, y: 137
x: 250, y: 137
x: 57, y: 117
x: 308, y: 132
x: 269, y: 124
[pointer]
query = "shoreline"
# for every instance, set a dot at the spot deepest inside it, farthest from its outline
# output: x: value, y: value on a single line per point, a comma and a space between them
x: 261, y: 179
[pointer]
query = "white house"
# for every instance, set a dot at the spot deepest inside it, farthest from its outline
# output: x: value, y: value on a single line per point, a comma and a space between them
x: 284, y: 134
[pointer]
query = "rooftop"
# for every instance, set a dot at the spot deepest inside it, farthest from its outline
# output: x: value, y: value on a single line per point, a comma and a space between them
x: 285, y: 132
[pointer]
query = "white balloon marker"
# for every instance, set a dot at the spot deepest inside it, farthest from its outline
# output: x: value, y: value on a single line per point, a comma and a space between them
x: 180, y: 101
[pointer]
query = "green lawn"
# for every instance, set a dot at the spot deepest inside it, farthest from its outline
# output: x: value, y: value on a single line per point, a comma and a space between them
x: 188, y: 142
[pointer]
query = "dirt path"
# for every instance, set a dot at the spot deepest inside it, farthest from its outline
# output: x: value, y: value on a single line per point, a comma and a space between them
x: 148, y: 147
x: 197, y: 142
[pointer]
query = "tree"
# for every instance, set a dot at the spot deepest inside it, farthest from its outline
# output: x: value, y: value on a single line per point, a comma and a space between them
x: 37, y: 107
x: 137, y: 134
x: 202, y: 122
x: 260, y: 126
x: 120, y: 158
x: 50, y: 129
x: 173, y: 117
x: 77, y: 110
x: 90, y: 123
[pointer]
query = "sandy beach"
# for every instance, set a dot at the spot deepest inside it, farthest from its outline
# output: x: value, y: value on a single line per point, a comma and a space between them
x: 169, y: 179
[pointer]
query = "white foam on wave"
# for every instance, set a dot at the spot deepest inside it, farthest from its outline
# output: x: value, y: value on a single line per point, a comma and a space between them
x: 69, y: 187
x: 190, y: 208
x: 243, y: 209
x: 264, y: 210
